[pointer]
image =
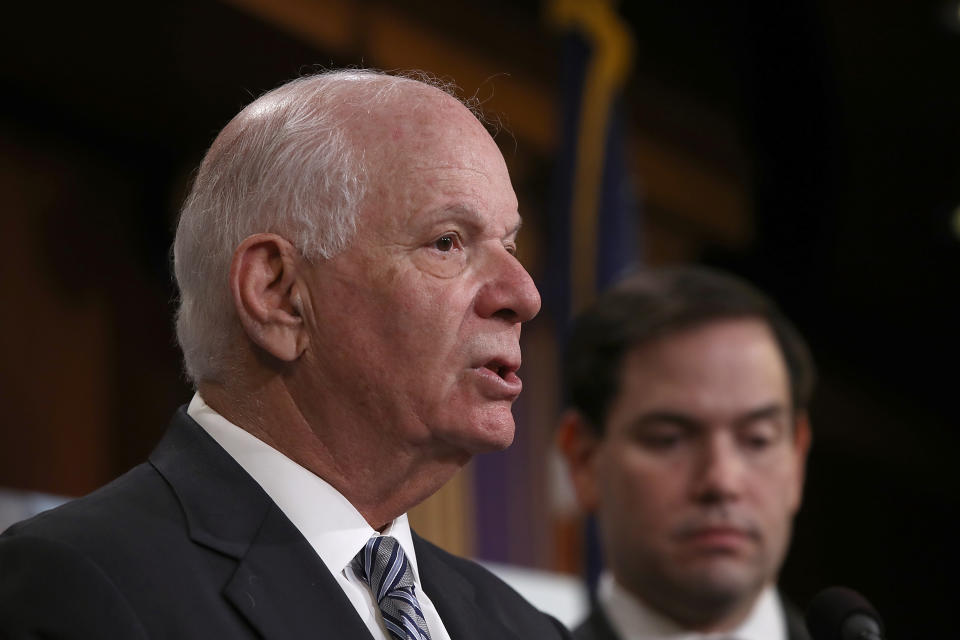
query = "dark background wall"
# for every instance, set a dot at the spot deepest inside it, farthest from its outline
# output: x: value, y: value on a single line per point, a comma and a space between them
x: 813, y: 147
x: 847, y: 112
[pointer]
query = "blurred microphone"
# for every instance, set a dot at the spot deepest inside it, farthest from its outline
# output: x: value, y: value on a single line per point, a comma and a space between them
x: 839, y: 613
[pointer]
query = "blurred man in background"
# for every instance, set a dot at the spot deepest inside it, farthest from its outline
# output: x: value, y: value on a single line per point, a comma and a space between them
x: 350, y: 312
x: 687, y: 436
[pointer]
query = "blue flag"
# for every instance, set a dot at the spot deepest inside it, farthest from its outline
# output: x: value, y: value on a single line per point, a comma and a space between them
x: 593, y: 208
x: 594, y: 211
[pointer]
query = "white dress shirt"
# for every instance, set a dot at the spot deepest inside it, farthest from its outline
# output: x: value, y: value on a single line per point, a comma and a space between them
x: 332, y: 526
x: 633, y: 620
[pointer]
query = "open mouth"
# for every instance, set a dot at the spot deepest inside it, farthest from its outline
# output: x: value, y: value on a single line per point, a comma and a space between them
x: 503, y: 369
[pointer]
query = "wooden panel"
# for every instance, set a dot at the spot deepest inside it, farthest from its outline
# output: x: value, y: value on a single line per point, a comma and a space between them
x: 379, y: 36
x: 700, y: 199
x: 54, y: 382
x: 328, y: 24
x: 446, y: 518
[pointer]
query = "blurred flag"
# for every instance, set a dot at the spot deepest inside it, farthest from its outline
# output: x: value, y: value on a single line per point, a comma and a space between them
x: 594, y: 210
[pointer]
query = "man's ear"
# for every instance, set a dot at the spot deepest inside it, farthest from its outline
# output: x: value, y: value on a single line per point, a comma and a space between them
x: 802, y: 439
x: 580, y: 445
x: 266, y: 288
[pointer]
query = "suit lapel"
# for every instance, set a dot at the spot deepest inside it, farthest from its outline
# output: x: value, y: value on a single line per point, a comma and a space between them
x: 280, y: 584
x: 455, y: 598
x: 284, y: 593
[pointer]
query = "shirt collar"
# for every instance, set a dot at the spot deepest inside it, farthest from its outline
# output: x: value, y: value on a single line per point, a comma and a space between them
x: 332, y: 526
x: 633, y: 619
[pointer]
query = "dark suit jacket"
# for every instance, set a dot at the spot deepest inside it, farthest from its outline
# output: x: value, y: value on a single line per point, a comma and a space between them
x: 187, y: 545
x: 597, y: 626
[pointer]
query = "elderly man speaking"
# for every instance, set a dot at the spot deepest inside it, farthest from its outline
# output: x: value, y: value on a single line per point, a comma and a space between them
x: 350, y: 311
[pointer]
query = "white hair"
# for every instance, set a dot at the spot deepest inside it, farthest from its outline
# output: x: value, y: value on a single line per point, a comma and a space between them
x: 284, y: 165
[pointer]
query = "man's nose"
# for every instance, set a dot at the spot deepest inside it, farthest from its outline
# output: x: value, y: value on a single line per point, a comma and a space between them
x: 719, y: 473
x: 509, y: 292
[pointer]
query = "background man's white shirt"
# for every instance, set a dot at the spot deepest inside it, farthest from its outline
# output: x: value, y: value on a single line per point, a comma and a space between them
x: 633, y: 620
x: 332, y: 526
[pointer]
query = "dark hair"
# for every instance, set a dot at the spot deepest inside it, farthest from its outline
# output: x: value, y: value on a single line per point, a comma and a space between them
x: 658, y: 302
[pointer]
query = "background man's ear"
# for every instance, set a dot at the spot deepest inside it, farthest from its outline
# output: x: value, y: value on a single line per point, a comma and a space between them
x: 802, y: 439
x: 580, y: 445
x: 265, y: 286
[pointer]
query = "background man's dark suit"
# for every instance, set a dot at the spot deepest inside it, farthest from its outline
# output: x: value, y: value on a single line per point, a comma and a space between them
x: 597, y: 626
x: 200, y: 551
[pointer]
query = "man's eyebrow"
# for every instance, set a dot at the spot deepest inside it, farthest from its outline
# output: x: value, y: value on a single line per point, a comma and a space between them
x: 458, y: 212
x: 666, y: 417
x: 512, y: 233
x: 471, y: 216
x: 771, y: 411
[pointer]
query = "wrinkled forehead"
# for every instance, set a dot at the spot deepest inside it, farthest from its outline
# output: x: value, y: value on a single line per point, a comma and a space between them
x: 416, y: 120
x: 432, y: 159
x: 365, y: 105
x: 427, y: 133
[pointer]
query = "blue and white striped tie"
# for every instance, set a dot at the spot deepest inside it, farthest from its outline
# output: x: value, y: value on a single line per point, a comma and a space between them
x: 383, y: 565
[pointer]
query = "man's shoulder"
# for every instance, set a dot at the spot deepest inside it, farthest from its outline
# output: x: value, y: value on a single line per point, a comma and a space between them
x: 131, y: 501
x: 70, y: 571
x: 119, y: 532
x: 796, y: 627
x: 143, y: 503
x: 144, y: 552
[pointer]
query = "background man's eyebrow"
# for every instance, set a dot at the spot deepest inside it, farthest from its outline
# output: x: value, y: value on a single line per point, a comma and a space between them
x: 772, y: 412
x: 666, y: 417
x: 775, y: 410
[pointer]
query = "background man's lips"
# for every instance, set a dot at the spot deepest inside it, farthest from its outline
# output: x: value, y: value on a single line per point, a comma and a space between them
x: 717, y: 541
x: 717, y: 535
x: 708, y: 531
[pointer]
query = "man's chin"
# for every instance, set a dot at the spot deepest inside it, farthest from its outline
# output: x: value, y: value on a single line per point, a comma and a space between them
x: 721, y: 583
x: 485, y: 435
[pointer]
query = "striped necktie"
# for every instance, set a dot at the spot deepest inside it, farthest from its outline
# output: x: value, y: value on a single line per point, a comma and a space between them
x: 383, y: 565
